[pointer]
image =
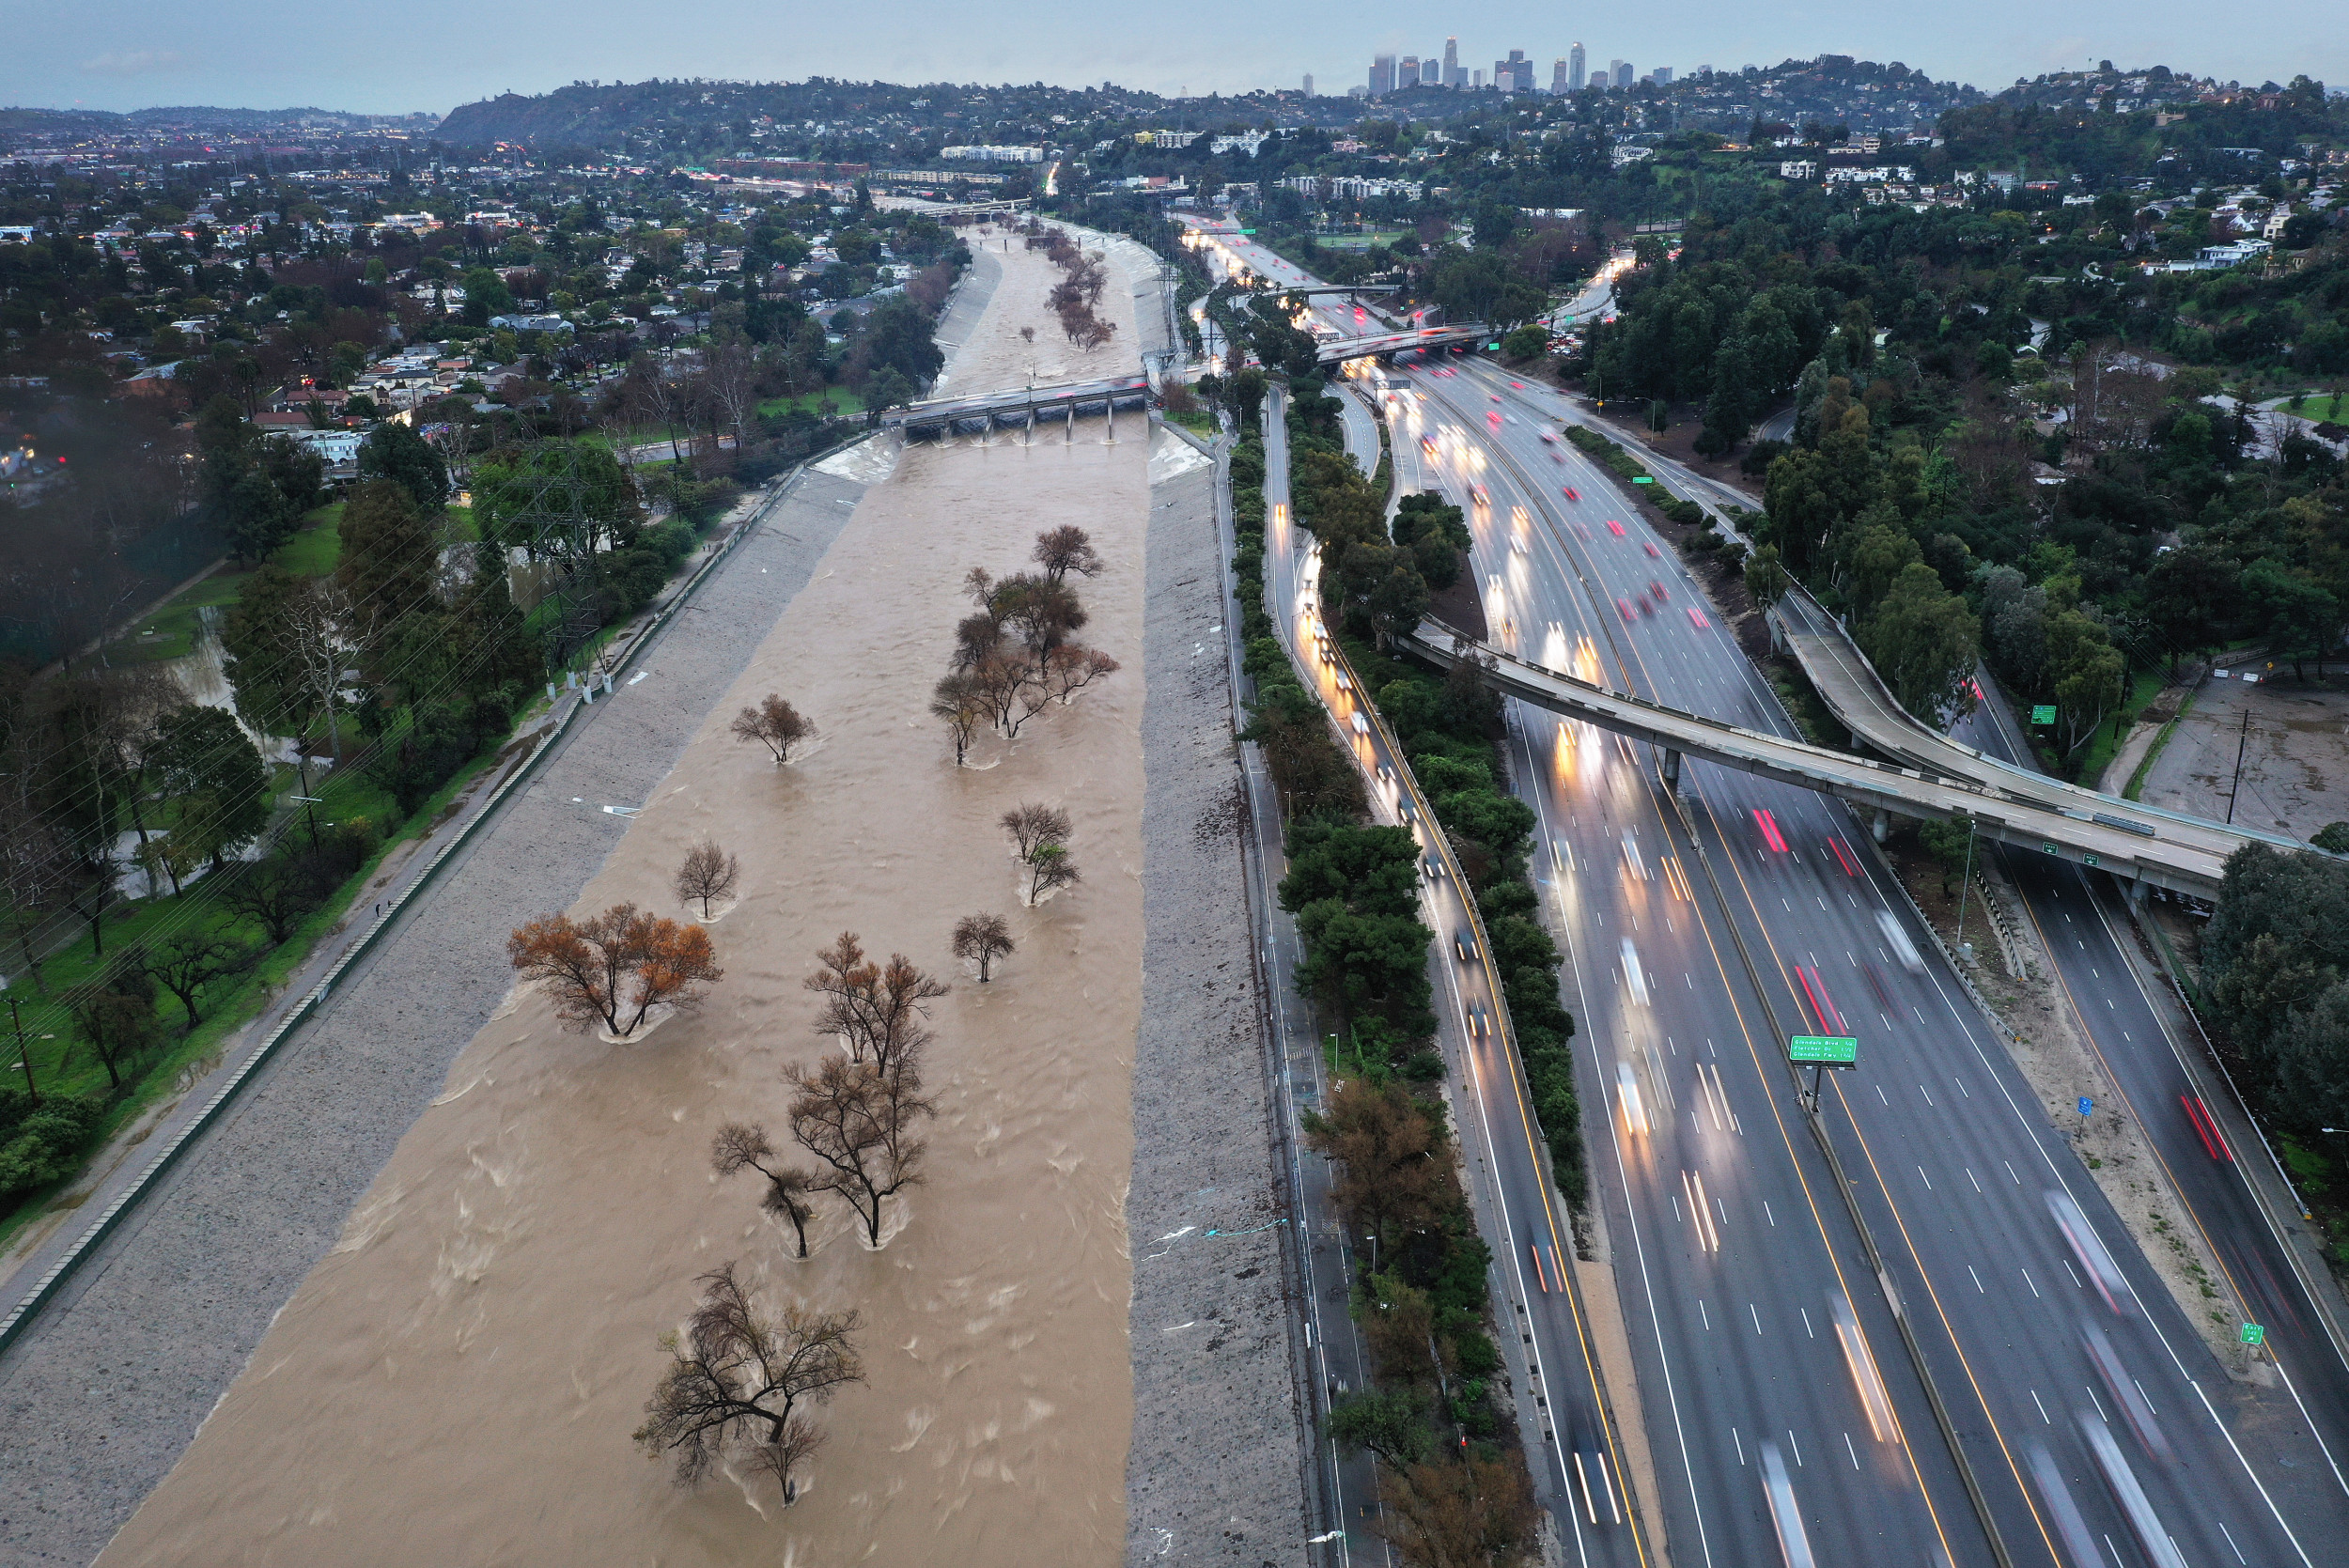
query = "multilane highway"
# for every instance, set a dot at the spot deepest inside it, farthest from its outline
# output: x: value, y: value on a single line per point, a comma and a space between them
x: 1951, y: 1159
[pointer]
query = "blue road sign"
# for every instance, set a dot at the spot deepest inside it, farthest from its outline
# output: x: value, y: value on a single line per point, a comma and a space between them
x: 2087, y: 1105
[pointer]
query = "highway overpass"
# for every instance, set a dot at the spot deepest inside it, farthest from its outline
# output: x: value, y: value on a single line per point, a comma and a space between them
x: 1340, y: 349
x: 2117, y: 836
x: 1860, y: 700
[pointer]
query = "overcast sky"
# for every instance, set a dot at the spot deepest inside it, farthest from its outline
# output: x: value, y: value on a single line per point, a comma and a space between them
x: 434, y: 55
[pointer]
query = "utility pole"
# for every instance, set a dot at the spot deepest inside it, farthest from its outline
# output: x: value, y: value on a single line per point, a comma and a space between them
x: 24, y: 1058
x: 2243, y: 740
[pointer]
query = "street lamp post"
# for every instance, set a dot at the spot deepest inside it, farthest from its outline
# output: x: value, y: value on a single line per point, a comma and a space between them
x: 1965, y: 885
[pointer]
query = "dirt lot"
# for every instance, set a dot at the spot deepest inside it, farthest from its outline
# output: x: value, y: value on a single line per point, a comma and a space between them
x: 2295, y: 750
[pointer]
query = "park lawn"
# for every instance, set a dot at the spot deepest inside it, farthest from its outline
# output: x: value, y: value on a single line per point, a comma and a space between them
x: 460, y: 526
x: 171, y: 632
x: 63, y: 1064
x: 841, y: 400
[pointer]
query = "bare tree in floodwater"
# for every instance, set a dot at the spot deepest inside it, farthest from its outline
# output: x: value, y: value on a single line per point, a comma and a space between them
x: 740, y: 1383
x: 708, y: 874
x: 1031, y: 823
x: 1048, y: 867
x: 775, y: 724
x: 1066, y: 548
x: 983, y: 938
x: 878, y: 1012
x: 962, y: 702
x: 859, y: 1121
x: 744, y: 1145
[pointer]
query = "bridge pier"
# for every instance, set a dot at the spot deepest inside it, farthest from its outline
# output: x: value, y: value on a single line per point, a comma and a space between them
x: 1881, y: 826
x: 2136, y: 893
x: 1672, y: 770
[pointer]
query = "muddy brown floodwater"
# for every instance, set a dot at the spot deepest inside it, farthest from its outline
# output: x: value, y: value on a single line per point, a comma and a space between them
x: 455, y: 1383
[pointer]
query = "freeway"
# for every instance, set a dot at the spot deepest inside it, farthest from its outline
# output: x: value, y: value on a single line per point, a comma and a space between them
x: 1576, y: 1453
x: 1951, y: 1162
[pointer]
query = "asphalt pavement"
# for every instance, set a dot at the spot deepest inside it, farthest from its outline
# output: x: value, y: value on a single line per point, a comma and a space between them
x: 1951, y: 1160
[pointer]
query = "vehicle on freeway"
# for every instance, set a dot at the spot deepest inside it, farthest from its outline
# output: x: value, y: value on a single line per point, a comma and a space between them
x: 1361, y: 726
x: 1650, y: 548
x: 1656, y: 587
x: 1624, y: 605
x: 1897, y: 940
x: 1517, y: 543
x: 1548, y: 439
x: 1572, y: 494
x: 1616, y: 529
x: 1483, y: 499
x: 1427, y: 445
x: 1696, y: 618
x: 2088, y: 1249
x: 1477, y: 1028
x: 1464, y: 944
x: 1386, y: 776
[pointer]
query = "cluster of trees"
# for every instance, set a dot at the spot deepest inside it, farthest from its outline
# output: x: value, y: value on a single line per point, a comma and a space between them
x: 103, y: 772
x: 1074, y: 298
x: 2276, y: 979
x: 1453, y: 1495
x: 1014, y: 655
x: 1351, y: 886
x: 741, y: 1385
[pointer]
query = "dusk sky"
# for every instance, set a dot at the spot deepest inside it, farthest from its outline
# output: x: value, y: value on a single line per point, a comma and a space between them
x: 434, y: 55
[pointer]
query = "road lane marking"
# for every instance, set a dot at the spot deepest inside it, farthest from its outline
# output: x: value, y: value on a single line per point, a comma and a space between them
x: 2043, y: 1415
x: 2034, y: 1289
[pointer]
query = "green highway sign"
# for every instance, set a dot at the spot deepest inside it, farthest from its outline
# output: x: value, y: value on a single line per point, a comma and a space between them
x: 2043, y: 714
x: 2254, y: 1334
x: 1834, y: 1050
x: 1642, y: 479
x: 2091, y: 860
x: 2048, y: 848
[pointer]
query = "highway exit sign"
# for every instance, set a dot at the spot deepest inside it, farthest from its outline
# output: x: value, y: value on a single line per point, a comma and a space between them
x: 2254, y: 1334
x: 1834, y: 1050
x: 1642, y: 479
x: 2043, y: 714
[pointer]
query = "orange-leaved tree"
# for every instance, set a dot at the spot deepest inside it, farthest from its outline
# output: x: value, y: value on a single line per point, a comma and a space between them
x: 618, y: 965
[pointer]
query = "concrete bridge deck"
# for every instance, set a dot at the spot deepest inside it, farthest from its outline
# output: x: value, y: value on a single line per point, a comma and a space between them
x: 1858, y: 697
x: 1339, y: 350
x: 2128, y: 841
x: 1019, y: 407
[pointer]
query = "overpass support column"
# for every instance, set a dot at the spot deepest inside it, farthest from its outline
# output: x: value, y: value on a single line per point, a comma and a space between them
x: 1672, y: 770
x: 2136, y: 893
x: 1882, y: 824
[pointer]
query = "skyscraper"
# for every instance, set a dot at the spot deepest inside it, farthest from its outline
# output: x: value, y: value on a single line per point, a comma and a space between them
x: 1406, y: 74
x: 1576, y: 76
x: 1664, y: 75
x: 1309, y: 84
x: 1452, y: 76
x: 1381, y: 75
x: 1514, y: 75
x: 1430, y: 72
x: 1623, y: 73
x: 1557, y: 77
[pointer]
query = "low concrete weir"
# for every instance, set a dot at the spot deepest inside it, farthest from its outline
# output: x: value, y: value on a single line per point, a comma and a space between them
x: 1018, y: 407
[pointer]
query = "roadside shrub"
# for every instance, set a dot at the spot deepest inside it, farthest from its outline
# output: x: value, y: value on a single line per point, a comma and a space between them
x: 43, y: 1143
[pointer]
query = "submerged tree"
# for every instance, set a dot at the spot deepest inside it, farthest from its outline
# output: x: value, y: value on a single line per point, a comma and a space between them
x: 708, y: 874
x: 859, y: 1121
x: 878, y: 1012
x: 744, y: 1145
x: 620, y: 963
x: 1030, y: 824
x: 1048, y: 867
x: 983, y: 938
x: 741, y: 1383
x: 775, y: 724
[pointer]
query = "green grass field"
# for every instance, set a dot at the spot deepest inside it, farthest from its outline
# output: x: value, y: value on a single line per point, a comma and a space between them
x: 63, y: 1062
x: 841, y: 400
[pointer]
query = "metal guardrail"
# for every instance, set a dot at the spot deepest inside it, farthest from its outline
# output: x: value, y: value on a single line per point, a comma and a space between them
x: 161, y: 1163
